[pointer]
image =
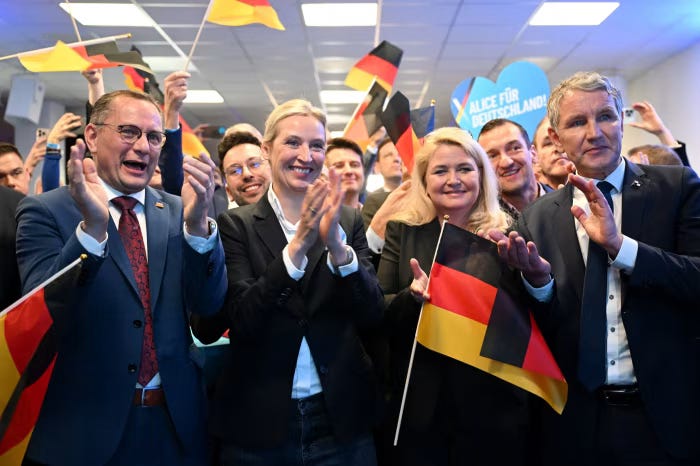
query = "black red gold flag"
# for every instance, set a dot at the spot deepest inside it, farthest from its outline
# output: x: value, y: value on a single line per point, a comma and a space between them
x: 475, y: 318
x: 381, y: 63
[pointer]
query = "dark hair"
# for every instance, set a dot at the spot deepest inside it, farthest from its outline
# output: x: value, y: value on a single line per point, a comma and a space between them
x: 497, y: 122
x: 232, y: 140
x: 7, y: 148
x: 383, y: 143
x: 343, y: 143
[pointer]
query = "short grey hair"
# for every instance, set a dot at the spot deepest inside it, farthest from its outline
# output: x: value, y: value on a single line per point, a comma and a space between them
x: 587, y: 81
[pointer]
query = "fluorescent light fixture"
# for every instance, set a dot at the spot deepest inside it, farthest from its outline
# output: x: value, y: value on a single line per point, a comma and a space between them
x: 108, y: 14
x: 167, y: 64
x: 342, y: 97
x: 573, y: 13
x: 339, y: 14
x: 203, y: 97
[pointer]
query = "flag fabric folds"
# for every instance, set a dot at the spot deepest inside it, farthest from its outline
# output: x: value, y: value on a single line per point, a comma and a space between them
x: 60, y: 58
x: 423, y: 120
x: 472, y: 318
x: 27, y: 357
x: 381, y: 63
x: 397, y: 121
x: 367, y: 116
x: 242, y: 12
x: 107, y: 55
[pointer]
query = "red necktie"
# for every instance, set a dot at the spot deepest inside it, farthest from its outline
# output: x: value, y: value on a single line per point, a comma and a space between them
x: 130, y: 232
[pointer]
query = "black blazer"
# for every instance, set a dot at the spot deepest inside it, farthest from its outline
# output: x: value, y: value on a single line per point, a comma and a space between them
x: 660, y: 210
x: 269, y: 314
x: 10, y: 288
x: 444, y: 395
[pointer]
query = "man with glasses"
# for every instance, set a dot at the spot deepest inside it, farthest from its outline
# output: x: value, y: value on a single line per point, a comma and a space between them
x: 247, y: 173
x: 125, y: 388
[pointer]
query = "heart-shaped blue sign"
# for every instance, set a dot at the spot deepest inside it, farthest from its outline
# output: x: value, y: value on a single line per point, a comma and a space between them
x: 520, y: 94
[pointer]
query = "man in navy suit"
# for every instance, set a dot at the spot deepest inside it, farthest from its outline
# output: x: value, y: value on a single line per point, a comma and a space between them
x: 147, y: 266
x: 631, y: 357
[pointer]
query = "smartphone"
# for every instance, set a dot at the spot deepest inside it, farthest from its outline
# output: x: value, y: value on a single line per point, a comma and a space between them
x: 213, y: 132
x: 629, y: 115
x: 42, y: 133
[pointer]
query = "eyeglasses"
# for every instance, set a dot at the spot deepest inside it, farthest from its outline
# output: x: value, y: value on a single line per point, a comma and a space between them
x: 236, y: 170
x: 130, y: 134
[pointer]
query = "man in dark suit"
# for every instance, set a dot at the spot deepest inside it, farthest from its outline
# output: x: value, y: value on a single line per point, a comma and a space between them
x: 625, y: 337
x: 10, y: 289
x: 126, y: 388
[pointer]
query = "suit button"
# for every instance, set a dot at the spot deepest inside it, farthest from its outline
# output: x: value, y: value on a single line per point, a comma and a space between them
x: 137, y: 323
x: 131, y: 368
x: 210, y: 268
x: 323, y: 369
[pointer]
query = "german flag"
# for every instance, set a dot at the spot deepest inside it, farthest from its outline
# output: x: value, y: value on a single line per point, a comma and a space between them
x: 367, y: 116
x: 473, y: 319
x: 27, y: 358
x: 108, y: 55
x: 381, y: 63
x: 423, y: 120
x: 397, y: 121
x: 61, y: 57
x: 191, y: 144
x: 242, y: 12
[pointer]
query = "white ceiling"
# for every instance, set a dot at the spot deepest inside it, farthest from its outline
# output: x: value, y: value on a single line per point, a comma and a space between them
x: 444, y: 42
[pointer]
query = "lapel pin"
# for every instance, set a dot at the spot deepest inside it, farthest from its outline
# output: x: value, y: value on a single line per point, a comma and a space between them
x: 160, y: 205
x: 636, y: 184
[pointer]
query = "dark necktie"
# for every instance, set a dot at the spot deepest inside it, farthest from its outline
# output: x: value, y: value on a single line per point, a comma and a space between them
x: 130, y: 233
x: 592, y: 339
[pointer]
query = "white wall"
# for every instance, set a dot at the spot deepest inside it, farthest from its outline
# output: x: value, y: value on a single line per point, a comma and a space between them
x: 673, y: 88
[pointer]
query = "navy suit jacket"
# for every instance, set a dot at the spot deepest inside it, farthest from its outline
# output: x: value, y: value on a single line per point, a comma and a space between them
x: 100, y: 335
x: 269, y: 314
x: 660, y: 210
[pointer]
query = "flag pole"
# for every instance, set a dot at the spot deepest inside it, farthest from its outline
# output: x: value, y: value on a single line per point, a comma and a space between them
x: 43, y: 284
x: 196, y: 38
x: 72, y: 19
x: 415, y: 341
x: 99, y: 40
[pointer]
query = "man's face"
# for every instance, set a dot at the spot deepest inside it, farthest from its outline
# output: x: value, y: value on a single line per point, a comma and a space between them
x: 510, y: 158
x: 126, y: 167
x: 348, y: 165
x: 12, y: 173
x: 590, y: 132
x: 389, y: 162
x: 555, y: 165
x: 247, y: 174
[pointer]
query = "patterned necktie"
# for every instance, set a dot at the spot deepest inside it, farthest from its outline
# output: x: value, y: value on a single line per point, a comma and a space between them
x: 592, y: 338
x: 130, y: 233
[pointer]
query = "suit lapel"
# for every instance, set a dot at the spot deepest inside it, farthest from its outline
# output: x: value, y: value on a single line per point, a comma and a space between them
x: 118, y: 254
x: 634, y: 189
x: 564, y: 229
x: 268, y: 228
x: 158, y: 225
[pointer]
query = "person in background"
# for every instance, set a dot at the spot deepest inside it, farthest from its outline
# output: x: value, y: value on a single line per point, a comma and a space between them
x: 13, y: 173
x: 554, y: 165
x: 651, y: 122
x: 299, y: 387
x: 654, y: 154
x: 152, y: 258
x: 454, y: 414
x: 345, y: 156
x: 511, y: 155
x: 10, y: 288
x: 246, y: 173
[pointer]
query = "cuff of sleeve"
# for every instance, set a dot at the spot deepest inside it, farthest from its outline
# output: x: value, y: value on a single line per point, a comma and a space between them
x: 90, y: 244
x: 542, y: 294
x: 292, y: 271
x: 627, y: 256
x: 199, y: 244
x: 347, y: 269
x: 375, y: 243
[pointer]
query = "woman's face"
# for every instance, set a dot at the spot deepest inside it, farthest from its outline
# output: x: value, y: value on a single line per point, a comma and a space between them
x: 296, y: 154
x: 452, y: 181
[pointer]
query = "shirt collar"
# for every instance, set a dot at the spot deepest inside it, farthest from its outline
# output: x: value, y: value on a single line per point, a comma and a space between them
x: 140, y: 196
x: 617, y: 177
x: 288, y: 226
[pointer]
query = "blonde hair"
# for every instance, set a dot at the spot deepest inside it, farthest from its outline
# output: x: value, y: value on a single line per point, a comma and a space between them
x: 287, y: 109
x: 587, y: 81
x: 419, y: 208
